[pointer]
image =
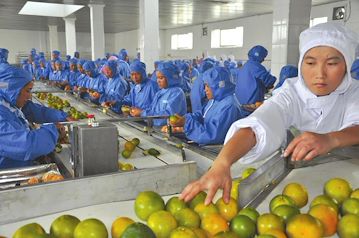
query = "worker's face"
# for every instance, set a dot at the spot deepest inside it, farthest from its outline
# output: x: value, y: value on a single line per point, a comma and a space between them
x: 136, y: 77
x: 42, y: 64
x: 108, y: 72
x: 58, y: 67
x: 53, y: 66
x: 72, y: 67
x: 208, y: 91
x: 25, y: 95
x: 323, y: 69
x: 161, y: 80
x: 89, y: 73
x: 79, y: 67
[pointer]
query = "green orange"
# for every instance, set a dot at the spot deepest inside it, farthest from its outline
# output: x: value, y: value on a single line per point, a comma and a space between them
x: 148, y: 202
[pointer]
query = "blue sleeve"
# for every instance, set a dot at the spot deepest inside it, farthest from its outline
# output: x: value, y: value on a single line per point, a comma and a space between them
x: 127, y: 100
x: 212, y: 130
x: 264, y: 75
x: 197, y: 94
x: 40, y: 114
x: 24, y: 145
x: 176, y: 103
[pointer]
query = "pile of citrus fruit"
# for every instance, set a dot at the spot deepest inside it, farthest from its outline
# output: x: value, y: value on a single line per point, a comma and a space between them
x: 336, y: 211
x: 129, y: 147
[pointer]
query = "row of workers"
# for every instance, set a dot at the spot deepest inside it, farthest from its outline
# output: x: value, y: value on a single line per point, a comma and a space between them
x: 16, y: 110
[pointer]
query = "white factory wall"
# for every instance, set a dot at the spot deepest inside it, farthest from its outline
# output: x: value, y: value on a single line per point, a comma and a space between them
x: 19, y: 42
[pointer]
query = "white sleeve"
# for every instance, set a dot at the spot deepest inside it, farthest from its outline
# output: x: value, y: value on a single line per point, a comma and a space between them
x: 269, y: 123
x: 351, y: 114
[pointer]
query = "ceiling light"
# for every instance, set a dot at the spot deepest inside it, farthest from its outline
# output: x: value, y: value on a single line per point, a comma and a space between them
x: 49, y: 9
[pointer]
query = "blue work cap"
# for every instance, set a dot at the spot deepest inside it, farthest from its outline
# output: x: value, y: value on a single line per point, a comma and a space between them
x: 171, y: 72
x: 42, y: 60
x: 288, y: 71
x: 60, y: 62
x: 226, y: 64
x: 4, y: 53
x: 112, y: 64
x: 257, y: 53
x: 56, y: 52
x: 68, y: 57
x: 122, y: 54
x: 81, y: 62
x: 219, y: 80
x: 16, y: 79
x: 205, y: 65
x: 355, y: 69
x: 73, y: 61
x: 140, y: 67
x: 91, y: 66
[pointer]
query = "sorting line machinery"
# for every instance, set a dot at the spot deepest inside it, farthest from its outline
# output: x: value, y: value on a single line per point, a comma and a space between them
x: 109, y: 195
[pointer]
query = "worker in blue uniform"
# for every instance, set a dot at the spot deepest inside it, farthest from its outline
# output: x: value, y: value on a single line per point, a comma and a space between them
x: 143, y: 93
x: 20, y: 145
x: 287, y: 71
x: 95, y: 83
x: 354, y: 71
x: 210, y: 125
x: 170, y: 99
x: 253, y: 80
x: 115, y: 89
x: 198, y: 96
x: 4, y: 53
x: 73, y: 73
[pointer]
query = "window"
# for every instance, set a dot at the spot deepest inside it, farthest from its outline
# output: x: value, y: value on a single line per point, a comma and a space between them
x: 182, y: 41
x: 227, y: 38
x: 318, y: 20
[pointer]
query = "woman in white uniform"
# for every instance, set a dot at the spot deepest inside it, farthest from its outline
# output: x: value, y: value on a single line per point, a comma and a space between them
x: 322, y: 103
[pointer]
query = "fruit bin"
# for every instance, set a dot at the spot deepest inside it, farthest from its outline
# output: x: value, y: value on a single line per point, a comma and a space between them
x: 32, y: 202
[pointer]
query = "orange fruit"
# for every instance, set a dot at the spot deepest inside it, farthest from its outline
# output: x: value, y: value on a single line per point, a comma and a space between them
x: 188, y: 218
x: 286, y: 212
x: 129, y: 146
x: 250, y: 212
x: 247, y: 172
x: 265, y: 236
x: 183, y: 232
x: 203, y: 210
x: 280, y: 200
x: 138, y: 230
x: 243, y: 226
x: 269, y: 221
x: 146, y: 203
x: 276, y: 233
x: 200, y: 233
x: 226, y: 234
x: 214, y: 223
x: 326, y: 200
x: 173, y: 119
x: 338, y: 189
x: 304, y: 226
x: 327, y: 216
x: 350, y: 206
x: 174, y: 205
x: 355, y: 194
x: 162, y: 223
x: 199, y: 198
x: 228, y: 211
x: 31, y: 230
x: 348, y: 226
x: 119, y: 226
x: 64, y: 226
x: 91, y: 228
x: 297, y: 192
